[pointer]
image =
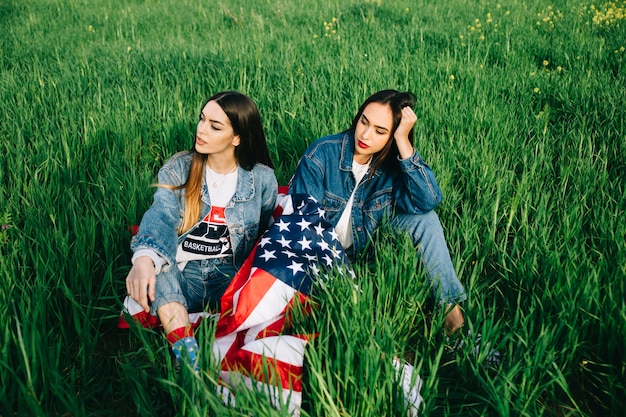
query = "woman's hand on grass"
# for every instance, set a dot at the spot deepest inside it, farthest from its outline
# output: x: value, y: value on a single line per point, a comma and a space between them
x: 141, y: 281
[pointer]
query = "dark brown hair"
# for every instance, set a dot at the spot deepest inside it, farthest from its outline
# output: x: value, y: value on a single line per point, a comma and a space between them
x: 397, y: 101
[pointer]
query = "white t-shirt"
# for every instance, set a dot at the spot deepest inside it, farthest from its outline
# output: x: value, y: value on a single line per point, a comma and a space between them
x: 210, y: 238
x: 344, y: 226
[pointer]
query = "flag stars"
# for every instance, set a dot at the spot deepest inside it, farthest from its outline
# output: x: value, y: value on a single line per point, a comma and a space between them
x: 324, y: 245
x: 268, y: 254
x: 284, y: 242
x: 309, y: 257
x: 301, y: 248
x: 305, y: 243
x: 303, y: 224
x: 282, y: 226
x: 300, y: 207
x: 296, y: 267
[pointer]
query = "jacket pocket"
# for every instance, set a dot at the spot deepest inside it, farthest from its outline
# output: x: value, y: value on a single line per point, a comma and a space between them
x: 375, y: 209
x: 334, y: 206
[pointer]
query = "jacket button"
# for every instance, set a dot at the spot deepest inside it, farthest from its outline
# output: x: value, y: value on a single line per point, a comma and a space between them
x: 358, y: 229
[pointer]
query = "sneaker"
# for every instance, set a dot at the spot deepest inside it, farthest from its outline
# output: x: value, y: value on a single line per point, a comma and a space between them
x: 187, y: 349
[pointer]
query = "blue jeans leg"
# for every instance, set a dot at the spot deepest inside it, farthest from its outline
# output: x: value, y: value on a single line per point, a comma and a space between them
x: 205, y: 282
x: 168, y: 289
x: 428, y: 238
x: 199, y: 285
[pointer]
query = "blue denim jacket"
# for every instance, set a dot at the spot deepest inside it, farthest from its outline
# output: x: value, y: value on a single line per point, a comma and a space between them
x: 325, y: 172
x: 247, y: 214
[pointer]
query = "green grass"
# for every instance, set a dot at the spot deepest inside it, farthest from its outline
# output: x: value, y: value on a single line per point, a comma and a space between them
x: 521, y: 115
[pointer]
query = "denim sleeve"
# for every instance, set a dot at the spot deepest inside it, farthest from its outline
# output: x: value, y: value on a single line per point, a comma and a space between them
x: 308, y: 178
x: 270, y: 193
x: 158, y: 227
x: 415, y: 188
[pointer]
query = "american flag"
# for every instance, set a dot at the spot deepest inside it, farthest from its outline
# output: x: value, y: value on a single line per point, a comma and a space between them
x: 252, y: 339
x: 252, y: 336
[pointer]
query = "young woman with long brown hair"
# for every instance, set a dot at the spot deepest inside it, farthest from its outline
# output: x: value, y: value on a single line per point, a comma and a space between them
x: 210, y: 207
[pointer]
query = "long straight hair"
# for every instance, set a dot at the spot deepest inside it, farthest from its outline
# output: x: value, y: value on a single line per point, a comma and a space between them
x: 252, y: 149
x: 397, y: 101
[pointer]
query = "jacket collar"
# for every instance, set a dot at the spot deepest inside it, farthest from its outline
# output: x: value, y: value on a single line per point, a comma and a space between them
x: 245, y: 185
x: 347, y: 151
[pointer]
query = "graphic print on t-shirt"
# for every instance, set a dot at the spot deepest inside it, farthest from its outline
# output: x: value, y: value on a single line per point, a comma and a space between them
x: 209, y: 238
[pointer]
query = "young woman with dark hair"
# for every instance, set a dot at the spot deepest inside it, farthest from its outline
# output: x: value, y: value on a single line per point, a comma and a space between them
x: 371, y: 173
x: 211, y: 205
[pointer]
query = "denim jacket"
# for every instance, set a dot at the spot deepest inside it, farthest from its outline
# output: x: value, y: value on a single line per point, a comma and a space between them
x: 247, y: 214
x: 325, y: 172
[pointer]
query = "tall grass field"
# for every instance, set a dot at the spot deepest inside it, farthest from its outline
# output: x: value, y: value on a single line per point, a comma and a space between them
x: 521, y: 108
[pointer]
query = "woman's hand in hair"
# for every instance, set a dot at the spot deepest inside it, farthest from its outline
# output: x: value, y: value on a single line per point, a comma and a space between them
x: 401, y: 136
x: 141, y: 281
